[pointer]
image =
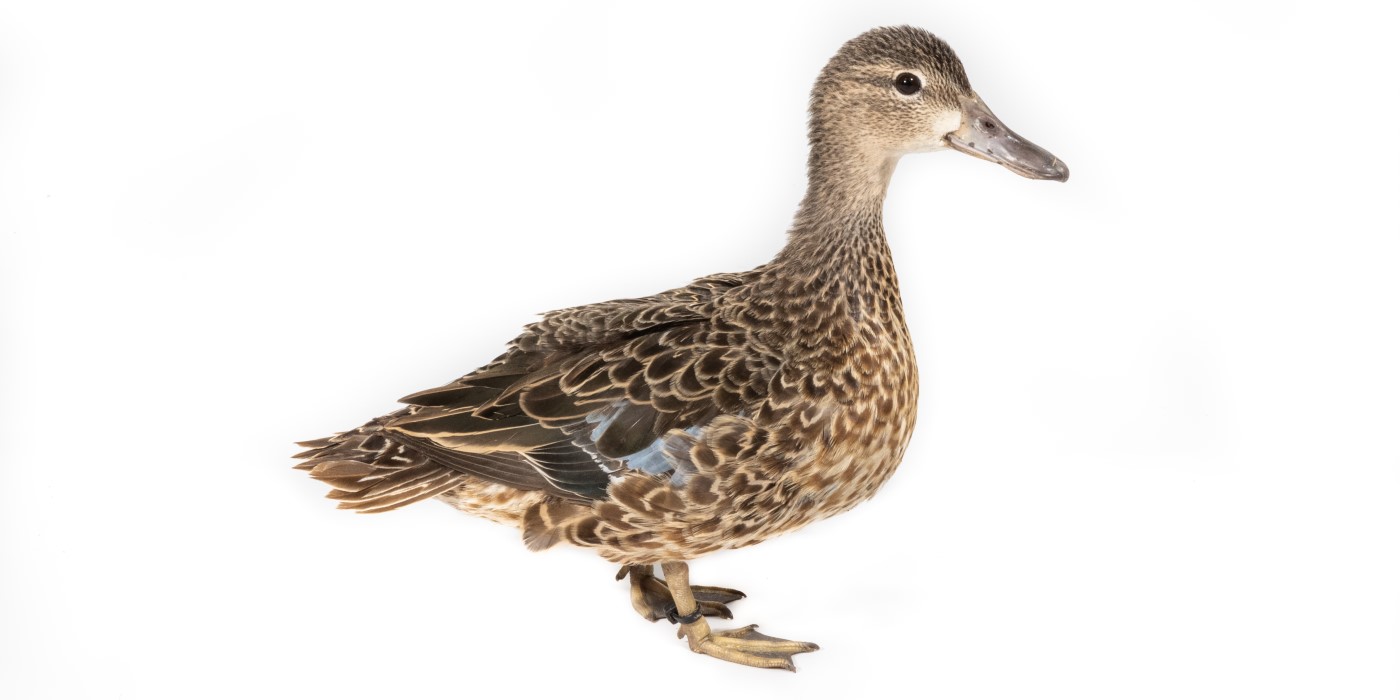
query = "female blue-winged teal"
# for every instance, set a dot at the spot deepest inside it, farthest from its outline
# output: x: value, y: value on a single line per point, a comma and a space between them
x: 719, y: 414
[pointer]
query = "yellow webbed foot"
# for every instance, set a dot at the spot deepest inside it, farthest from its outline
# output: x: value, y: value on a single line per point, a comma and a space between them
x: 744, y: 646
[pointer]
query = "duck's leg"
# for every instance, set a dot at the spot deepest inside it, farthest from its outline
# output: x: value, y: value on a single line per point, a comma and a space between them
x: 741, y: 646
x: 652, y: 599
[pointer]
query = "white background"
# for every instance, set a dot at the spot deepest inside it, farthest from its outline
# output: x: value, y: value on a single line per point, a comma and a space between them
x: 1157, y: 454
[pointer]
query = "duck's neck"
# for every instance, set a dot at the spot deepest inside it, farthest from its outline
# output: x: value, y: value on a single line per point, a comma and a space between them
x: 844, y: 202
x: 836, y: 247
x: 834, y: 283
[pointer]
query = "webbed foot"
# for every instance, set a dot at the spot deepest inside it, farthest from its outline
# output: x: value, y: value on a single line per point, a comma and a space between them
x: 741, y: 646
x: 744, y: 646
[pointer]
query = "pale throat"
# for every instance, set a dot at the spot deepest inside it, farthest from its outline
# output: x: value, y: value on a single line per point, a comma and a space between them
x: 845, y: 175
x: 944, y: 122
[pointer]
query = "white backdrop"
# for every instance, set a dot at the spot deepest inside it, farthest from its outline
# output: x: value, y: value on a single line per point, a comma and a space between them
x: 1157, y: 454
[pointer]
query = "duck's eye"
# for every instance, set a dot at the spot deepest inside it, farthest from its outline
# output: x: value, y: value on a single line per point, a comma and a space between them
x: 907, y: 83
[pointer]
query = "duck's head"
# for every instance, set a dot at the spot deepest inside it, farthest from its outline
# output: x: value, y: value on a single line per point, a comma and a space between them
x: 898, y: 90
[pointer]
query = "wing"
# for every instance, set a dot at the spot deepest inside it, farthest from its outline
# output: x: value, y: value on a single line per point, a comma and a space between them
x: 583, y: 395
x: 581, y: 416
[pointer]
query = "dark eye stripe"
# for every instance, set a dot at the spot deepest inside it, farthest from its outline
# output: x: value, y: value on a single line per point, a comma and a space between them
x: 907, y: 83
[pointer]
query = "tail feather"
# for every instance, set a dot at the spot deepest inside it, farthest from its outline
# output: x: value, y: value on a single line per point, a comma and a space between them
x: 371, y: 474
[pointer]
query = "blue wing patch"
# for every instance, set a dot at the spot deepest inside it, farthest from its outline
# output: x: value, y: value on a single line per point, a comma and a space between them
x: 652, y: 458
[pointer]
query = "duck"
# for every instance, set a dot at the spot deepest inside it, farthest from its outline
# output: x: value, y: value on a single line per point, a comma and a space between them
x: 719, y: 414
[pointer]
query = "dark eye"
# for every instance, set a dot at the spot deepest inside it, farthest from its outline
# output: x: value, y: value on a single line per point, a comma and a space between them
x: 907, y: 83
